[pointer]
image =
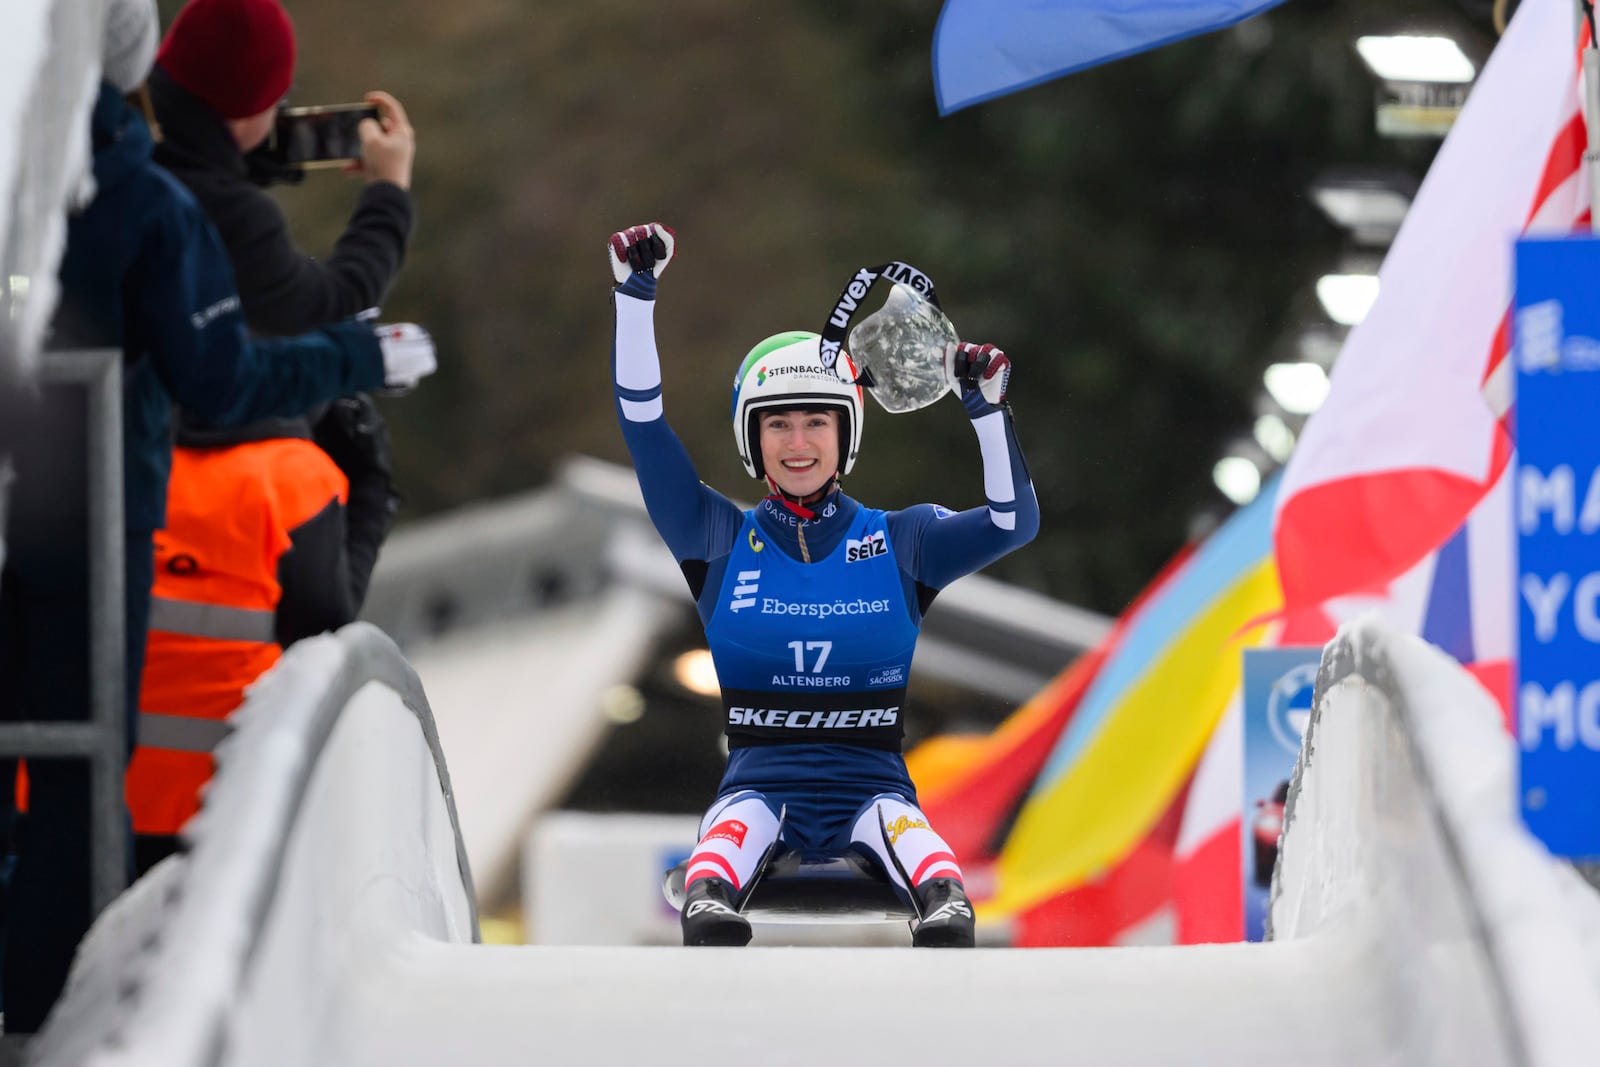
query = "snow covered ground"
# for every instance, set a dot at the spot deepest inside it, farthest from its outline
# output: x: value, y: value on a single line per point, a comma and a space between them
x: 1308, y: 1002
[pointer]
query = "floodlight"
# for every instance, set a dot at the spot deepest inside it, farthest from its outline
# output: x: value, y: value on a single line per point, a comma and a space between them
x: 1238, y: 478
x: 1369, y: 204
x: 1299, y: 388
x: 1347, y: 297
x: 1274, y: 436
x: 695, y: 671
x: 622, y: 704
x: 1409, y: 58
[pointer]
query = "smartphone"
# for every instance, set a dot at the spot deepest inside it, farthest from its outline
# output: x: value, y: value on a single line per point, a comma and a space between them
x: 323, y: 136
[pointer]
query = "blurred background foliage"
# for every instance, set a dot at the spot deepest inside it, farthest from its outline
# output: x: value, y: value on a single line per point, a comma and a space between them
x: 1138, y: 237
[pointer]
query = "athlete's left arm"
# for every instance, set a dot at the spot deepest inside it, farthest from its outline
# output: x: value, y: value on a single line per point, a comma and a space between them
x: 935, y: 546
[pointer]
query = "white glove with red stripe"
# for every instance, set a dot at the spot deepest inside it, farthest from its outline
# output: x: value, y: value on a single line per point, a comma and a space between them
x: 979, y: 375
x: 647, y: 249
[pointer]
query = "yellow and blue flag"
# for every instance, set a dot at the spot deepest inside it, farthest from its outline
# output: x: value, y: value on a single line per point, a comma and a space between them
x: 1137, y: 735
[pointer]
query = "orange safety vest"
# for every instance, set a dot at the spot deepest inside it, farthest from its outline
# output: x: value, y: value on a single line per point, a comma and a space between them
x: 214, y: 606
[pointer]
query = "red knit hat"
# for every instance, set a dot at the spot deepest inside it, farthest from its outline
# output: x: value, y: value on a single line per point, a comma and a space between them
x: 235, y: 55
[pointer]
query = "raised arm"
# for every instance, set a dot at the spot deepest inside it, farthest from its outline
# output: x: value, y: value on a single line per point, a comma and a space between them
x: 288, y: 292
x: 696, y: 521
x: 937, y: 546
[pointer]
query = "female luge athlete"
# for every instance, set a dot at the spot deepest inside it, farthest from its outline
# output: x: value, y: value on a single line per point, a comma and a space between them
x: 811, y: 602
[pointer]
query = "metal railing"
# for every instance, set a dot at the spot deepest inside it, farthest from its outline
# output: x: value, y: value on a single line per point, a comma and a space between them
x: 102, y: 740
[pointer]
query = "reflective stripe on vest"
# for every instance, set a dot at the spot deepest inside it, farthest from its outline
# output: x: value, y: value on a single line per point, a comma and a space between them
x: 181, y: 733
x: 194, y: 619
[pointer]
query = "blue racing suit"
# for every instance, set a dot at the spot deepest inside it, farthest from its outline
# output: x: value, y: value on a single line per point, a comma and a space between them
x: 813, y: 658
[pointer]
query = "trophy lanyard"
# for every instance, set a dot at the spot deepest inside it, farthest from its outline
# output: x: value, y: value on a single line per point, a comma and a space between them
x: 854, y: 295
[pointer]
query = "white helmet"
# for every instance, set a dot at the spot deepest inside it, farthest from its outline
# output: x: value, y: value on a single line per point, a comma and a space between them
x: 786, y: 371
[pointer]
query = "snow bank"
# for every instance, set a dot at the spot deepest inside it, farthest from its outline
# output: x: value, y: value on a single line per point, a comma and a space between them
x: 1402, y: 813
x: 329, y: 833
x: 49, y: 73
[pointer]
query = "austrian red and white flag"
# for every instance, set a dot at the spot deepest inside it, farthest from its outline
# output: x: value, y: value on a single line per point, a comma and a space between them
x: 1406, y: 445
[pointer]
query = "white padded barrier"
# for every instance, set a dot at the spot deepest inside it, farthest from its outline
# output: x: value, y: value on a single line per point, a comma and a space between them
x: 1401, y: 828
x: 49, y: 75
x: 328, y: 834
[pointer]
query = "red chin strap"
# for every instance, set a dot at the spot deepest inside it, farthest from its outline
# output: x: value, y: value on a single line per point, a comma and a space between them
x: 798, y: 506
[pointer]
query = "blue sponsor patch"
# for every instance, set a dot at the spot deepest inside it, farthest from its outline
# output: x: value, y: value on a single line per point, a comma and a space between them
x: 895, y: 675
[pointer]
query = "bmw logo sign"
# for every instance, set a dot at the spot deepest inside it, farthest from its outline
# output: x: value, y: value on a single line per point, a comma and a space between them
x: 1289, y: 706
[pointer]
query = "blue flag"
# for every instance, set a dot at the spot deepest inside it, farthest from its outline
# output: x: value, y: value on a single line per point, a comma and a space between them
x: 987, y: 48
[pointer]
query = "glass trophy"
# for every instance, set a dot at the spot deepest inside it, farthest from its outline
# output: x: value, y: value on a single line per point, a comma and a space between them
x: 901, y: 350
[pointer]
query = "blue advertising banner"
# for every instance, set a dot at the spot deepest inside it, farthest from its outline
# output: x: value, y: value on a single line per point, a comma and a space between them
x: 1556, y: 509
x: 1278, y: 685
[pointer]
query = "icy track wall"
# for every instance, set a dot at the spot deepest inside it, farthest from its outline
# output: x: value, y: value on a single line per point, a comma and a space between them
x: 329, y: 835
x: 1402, y: 832
x: 49, y: 75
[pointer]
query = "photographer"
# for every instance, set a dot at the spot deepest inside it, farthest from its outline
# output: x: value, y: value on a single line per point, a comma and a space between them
x: 223, y: 69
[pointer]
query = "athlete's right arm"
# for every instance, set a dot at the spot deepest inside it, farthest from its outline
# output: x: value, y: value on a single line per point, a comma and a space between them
x: 696, y: 521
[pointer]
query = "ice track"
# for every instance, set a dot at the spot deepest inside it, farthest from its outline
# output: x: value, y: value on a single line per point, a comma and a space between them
x: 1284, y: 1003
x: 325, y: 916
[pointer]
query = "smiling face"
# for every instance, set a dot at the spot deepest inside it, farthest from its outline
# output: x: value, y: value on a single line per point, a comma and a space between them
x: 800, y: 449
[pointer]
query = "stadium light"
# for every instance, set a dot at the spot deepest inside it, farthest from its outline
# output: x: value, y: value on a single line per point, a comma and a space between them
x: 1408, y: 58
x: 622, y: 704
x: 1347, y: 297
x: 696, y: 673
x: 1238, y: 478
x: 1370, y: 205
x: 1274, y: 436
x: 1299, y: 388
x: 1423, y: 83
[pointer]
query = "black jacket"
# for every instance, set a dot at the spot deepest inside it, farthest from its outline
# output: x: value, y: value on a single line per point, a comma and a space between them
x: 284, y: 292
